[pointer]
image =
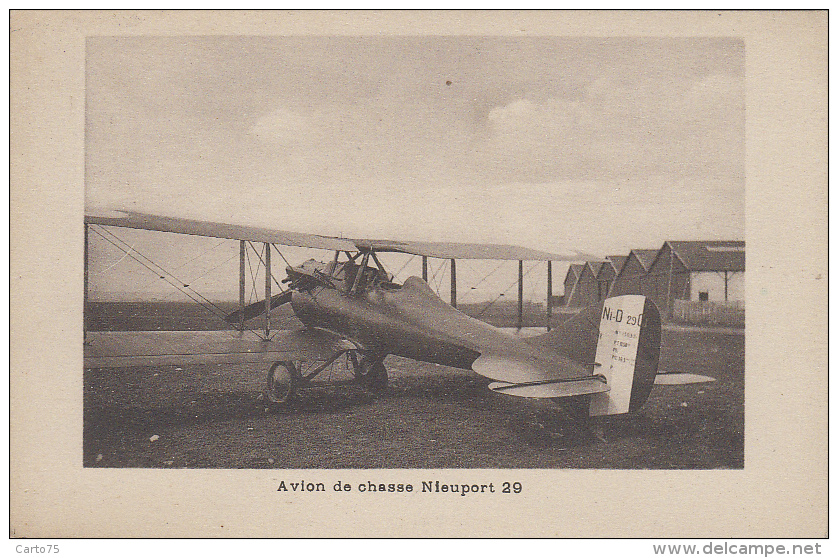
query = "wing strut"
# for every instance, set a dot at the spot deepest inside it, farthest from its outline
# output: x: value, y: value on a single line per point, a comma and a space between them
x: 268, y: 277
x: 520, y: 294
x: 453, y: 282
x: 360, y: 272
x: 549, y: 293
x: 242, y: 258
x: 85, y: 310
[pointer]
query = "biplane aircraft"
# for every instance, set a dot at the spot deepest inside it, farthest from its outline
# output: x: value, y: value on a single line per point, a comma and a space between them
x: 603, y: 360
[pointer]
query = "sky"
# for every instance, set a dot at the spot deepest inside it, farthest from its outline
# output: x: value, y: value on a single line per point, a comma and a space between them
x: 594, y: 144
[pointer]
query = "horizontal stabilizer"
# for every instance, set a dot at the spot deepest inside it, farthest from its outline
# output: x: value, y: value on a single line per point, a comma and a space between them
x: 517, y: 370
x: 543, y: 390
x: 679, y: 378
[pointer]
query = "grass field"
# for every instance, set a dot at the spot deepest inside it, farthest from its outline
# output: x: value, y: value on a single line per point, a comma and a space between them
x: 429, y: 417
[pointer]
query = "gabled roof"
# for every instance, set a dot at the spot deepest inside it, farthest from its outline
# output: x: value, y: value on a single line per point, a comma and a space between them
x: 645, y: 257
x: 713, y: 255
x: 595, y: 267
x: 617, y: 262
x: 575, y: 270
x: 606, y: 266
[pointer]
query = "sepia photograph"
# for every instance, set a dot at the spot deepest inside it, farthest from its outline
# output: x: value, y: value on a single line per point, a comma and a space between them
x: 421, y: 174
x: 331, y: 264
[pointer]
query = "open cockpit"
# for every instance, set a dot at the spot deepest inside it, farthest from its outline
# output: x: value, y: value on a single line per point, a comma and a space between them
x: 344, y: 273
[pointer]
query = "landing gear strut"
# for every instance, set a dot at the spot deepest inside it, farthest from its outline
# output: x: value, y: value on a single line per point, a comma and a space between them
x: 285, y: 378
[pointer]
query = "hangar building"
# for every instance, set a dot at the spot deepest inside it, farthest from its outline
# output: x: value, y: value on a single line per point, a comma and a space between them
x: 570, y: 280
x: 607, y: 273
x: 700, y: 271
x: 630, y: 279
x: 586, y: 290
x: 685, y: 271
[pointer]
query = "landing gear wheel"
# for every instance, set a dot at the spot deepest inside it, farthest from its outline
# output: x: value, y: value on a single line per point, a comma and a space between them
x: 282, y: 383
x: 372, y: 373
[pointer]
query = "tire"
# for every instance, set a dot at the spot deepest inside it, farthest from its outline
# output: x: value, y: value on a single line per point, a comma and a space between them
x: 281, y: 383
x: 373, y: 374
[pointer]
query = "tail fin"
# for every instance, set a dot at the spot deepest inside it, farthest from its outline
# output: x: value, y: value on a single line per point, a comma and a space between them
x: 622, y: 336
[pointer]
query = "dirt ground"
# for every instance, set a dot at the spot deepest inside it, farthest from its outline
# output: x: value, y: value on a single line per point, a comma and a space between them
x: 214, y: 416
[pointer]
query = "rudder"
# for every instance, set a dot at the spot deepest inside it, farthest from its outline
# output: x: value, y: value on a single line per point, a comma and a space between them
x: 621, y: 338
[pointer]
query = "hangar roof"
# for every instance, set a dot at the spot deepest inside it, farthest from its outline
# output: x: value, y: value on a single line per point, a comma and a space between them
x: 713, y: 255
x: 575, y: 270
x: 646, y: 257
x: 617, y: 262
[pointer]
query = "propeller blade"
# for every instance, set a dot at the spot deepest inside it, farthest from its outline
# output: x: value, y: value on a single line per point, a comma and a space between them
x: 257, y: 308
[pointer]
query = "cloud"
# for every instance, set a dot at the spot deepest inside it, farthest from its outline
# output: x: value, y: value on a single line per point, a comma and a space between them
x: 714, y: 94
x: 392, y: 143
x: 283, y: 126
x: 513, y: 115
x: 619, y: 127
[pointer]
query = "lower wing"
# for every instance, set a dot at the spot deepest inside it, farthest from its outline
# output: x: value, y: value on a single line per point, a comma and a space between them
x: 117, y: 349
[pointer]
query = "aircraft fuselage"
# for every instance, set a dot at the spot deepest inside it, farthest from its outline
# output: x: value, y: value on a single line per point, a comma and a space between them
x: 408, y: 320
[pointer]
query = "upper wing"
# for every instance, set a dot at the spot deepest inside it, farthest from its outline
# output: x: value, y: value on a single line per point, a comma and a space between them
x: 444, y: 250
x: 471, y: 251
x: 133, y: 220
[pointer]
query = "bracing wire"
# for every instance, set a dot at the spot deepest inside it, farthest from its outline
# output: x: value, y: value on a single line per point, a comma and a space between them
x: 172, y: 280
x: 268, y: 246
x: 464, y: 268
x: 225, y: 262
x: 252, y: 275
x: 119, y: 261
x: 281, y: 256
x: 433, y: 277
x: 500, y: 265
x: 201, y: 255
x: 503, y: 293
x: 404, y: 266
x: 535, y: 283
x: 203, y: 301
x: 156, y: 265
